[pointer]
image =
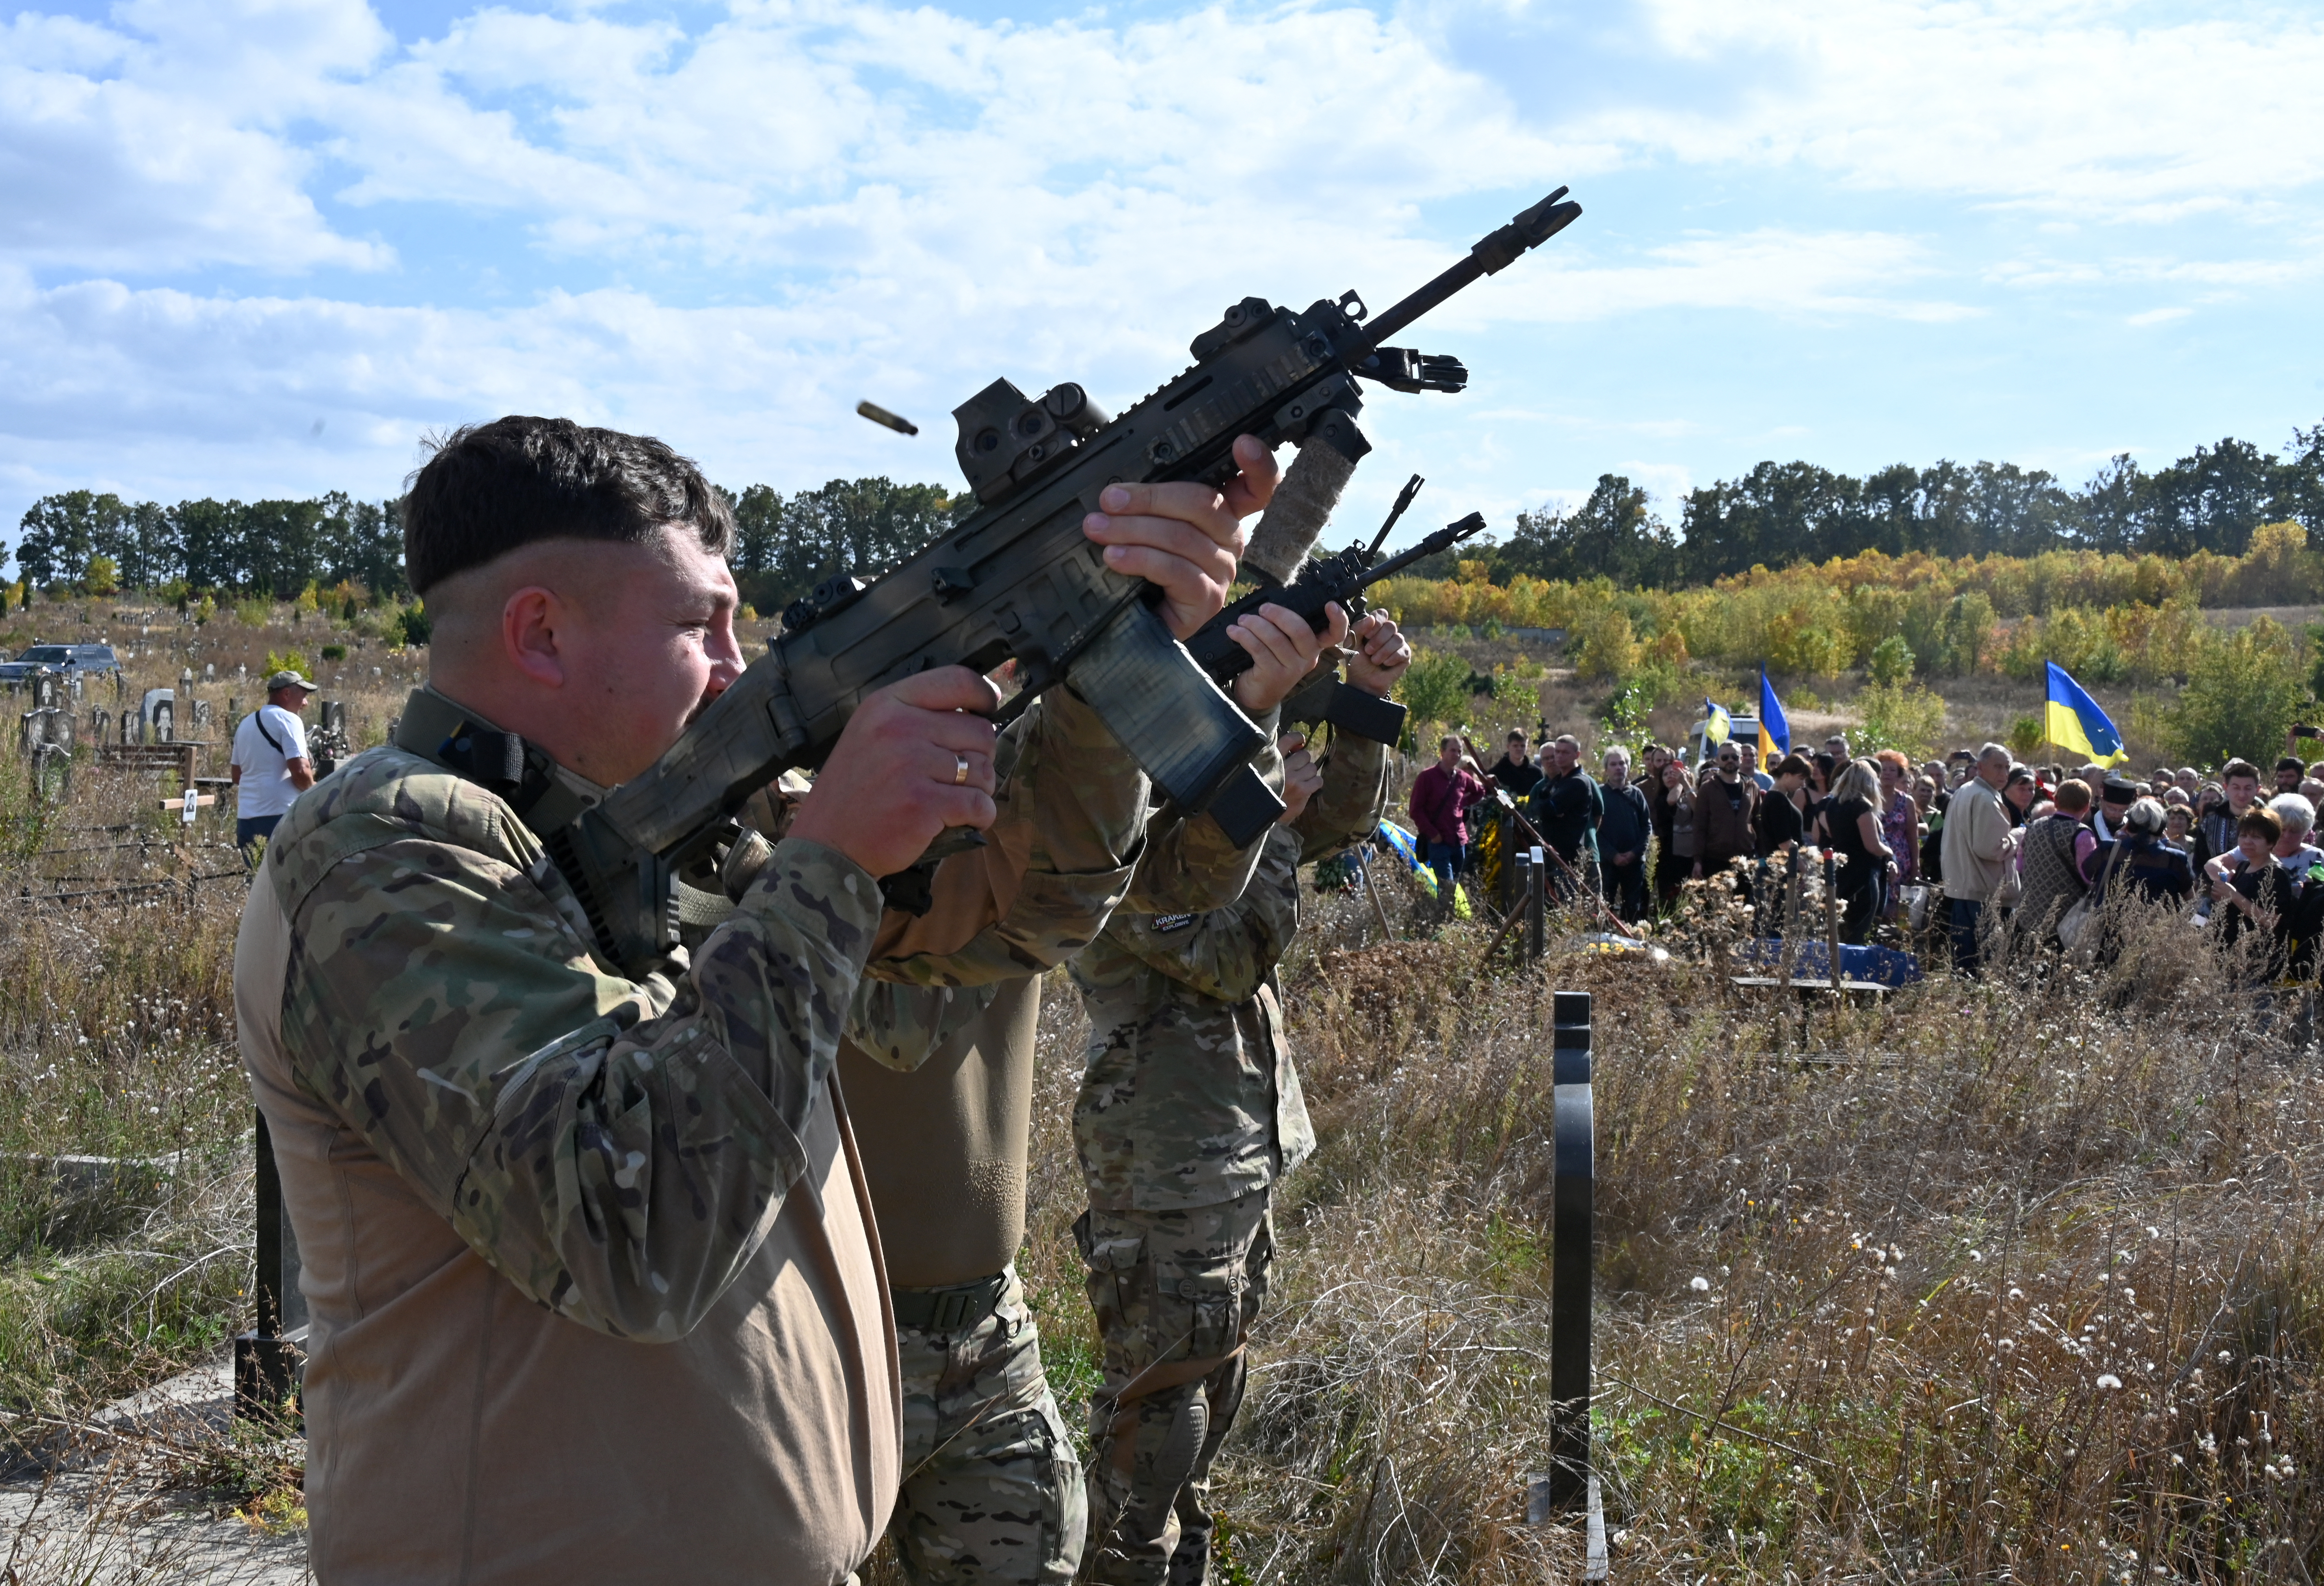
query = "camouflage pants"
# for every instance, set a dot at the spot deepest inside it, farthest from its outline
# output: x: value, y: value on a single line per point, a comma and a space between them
x: 992, y: 1490
x: 1175, y: 1294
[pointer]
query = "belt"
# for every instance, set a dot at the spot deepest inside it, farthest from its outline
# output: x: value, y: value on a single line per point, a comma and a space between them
x: 951, y: 1309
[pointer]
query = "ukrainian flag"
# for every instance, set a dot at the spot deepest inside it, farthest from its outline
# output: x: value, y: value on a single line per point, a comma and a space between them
x: 1716, y: 722
x: 2074, y: 721
x: 1774, y: 727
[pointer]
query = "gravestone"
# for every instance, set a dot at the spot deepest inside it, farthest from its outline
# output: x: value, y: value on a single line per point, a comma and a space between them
x: 158, y: 728
x: 202, y: 716
x: 100, y: 722
x: 44, y: 689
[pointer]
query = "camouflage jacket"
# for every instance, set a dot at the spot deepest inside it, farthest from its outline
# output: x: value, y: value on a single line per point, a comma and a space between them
x: 909, y: 1004
x: 1190, y: 1097
x: 442, y: 997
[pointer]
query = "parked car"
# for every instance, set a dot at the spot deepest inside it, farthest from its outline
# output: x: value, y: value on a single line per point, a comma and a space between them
x: 64, y: 660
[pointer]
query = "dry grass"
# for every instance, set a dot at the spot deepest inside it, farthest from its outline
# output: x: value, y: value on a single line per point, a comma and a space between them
x: 1931, y: 1230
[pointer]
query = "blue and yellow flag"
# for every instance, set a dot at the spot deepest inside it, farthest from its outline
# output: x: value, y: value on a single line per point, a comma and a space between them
x: 1774, y: 727
x: 2074, y: 721
x: 1716, y: 722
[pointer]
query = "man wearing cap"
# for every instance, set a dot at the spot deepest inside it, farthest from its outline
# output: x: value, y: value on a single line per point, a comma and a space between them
x: 2115, y: 796
x: 270, y: 765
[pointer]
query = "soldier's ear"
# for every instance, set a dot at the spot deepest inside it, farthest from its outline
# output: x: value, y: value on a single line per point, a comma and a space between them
x: 531, y: 621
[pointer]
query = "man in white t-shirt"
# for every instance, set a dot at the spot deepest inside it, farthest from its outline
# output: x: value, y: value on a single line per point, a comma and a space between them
x: 271, y: 766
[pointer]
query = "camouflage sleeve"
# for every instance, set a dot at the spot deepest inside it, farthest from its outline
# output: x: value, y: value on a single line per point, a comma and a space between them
x: 1347, y: 808
x: 615, y: 1160
x: 1227, y: 954
x: 1189, y: 866
x: 1058, y: 860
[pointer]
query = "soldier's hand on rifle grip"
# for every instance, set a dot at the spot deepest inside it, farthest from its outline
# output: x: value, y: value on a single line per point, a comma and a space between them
x: 1183, y: 535
x: 916, y: 758
x: 1377, y: 655
x: 1303, y: 779
x: 1283, y: 650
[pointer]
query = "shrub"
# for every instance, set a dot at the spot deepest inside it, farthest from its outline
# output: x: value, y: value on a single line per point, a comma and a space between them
x: 334, y: 652
x: 1436, y: 690
x: 255, y: 611
x: 2242, y: 696
x: 102, y: 576
x: 1898, y: 715
x: 287, y: 661
x: 2026, y: 736
x: 1603, y: 644
x: 409, y: 626
x: 1891, y: 661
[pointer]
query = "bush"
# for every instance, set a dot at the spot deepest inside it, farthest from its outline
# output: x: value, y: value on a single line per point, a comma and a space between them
x: 334, y: 652
x: 102, y: 576
x: 2242, y: 696
x: 2026, y: 736
x: 409, y: 626
x: 287, y: 661
x: 1898, y: 715
x: 1891, y: 661
x: 1436, y: 690
x: 1603, y: 644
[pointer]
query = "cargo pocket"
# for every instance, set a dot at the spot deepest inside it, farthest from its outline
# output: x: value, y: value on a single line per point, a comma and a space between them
x: 1207, y: 1306
x: 1113, y: 1254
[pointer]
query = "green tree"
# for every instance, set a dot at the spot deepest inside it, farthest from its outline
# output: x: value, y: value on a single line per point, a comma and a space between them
x: 2243, y: 695
x: 101, y: 576
x: 1436, y: 690
x: 1891, y: 661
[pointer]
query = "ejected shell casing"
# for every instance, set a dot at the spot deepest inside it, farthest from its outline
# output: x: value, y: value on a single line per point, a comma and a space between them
x: 880, y: 415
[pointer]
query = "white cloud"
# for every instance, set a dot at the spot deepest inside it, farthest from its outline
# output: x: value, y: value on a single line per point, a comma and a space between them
x: 160, y: 145
x: 2110, y: 112
x: 730, y: 231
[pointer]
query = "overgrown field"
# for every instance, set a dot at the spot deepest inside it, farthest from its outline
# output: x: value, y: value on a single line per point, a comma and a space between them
x: 2020, y: 1278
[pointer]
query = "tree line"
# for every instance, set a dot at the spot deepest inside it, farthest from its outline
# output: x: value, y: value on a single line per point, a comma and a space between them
x: 1777, y: 515
x: 1782, y: 515
x: 785, y: 545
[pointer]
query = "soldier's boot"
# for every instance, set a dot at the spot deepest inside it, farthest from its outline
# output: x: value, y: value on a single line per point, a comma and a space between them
x: 1150, y: 1454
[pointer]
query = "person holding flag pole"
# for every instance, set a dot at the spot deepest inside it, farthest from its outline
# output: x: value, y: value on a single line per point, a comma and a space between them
x: 2073, y: 720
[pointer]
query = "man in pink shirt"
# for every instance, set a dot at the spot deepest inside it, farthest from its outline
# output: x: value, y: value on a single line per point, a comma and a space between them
x: 1442, y: 797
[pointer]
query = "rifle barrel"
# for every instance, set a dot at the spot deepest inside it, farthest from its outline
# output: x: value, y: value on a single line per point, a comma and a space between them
x: 1450, y: 535
x: 1529, y: 230
x: 1403, y: 500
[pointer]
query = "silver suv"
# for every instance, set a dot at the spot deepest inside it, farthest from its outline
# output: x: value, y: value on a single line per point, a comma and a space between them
x: 64, y: 660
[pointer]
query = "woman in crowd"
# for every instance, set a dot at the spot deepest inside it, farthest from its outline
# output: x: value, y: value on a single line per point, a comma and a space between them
x: 2018, y: 794
x: 1781, y: 816
x: 2257, y: 900
x: 1676, y: 837
x: 2053, y: 862
x: 2179, y: 823
x: 1900, y: 819
x: 1853, y: 823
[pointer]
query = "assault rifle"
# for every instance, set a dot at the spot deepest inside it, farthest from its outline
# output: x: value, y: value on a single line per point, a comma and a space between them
x: 1342, y: 580
x: 1019, y: 579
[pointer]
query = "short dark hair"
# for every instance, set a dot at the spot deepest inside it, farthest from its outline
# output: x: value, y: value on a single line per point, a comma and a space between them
x: 2292, y: 762
x: 1792, y: 765
x: 2238, y: 768
x: 488, y: 489
x: 2259, y: 821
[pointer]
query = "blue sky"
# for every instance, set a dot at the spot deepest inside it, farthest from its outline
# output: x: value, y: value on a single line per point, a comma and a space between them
x: 260, y: 247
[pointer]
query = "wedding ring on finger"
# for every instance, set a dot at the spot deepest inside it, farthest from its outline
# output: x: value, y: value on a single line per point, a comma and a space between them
x: 959, y: 769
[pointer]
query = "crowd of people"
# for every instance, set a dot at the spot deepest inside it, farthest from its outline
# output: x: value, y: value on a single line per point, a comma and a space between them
x: 1963, y: 847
